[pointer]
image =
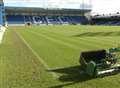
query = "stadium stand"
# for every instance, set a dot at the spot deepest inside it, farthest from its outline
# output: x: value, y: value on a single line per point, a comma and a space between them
x: 28, y: 19
x: 15, y: 19
x: 52, y: 20
x: 13, y: 15
x: 106, y: 20
x: 40, y: 16
x: 65, y: 19
x: 22, y: 19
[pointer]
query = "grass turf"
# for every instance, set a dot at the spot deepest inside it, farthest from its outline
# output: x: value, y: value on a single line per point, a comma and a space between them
x: 27, y: 53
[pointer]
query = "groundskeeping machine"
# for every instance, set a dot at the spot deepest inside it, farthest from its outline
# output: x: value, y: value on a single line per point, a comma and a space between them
x: 100, y: 62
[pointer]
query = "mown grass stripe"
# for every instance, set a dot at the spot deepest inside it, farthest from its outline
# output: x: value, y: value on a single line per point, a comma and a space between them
x: 35, y: 53
x: 55, y: 40
x: 66, y: 43
x: 77, y: 39
x: 46, y: 48
x: 76, y: 42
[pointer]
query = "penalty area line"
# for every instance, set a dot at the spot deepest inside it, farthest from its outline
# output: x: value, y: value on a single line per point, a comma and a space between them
x: 35, y: 53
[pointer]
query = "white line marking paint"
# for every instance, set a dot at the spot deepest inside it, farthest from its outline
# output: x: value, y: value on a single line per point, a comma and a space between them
x: 2, y: 31
x: 35, y: 53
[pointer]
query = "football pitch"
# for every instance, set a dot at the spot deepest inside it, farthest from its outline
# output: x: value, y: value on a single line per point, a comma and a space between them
x: 48, y: 56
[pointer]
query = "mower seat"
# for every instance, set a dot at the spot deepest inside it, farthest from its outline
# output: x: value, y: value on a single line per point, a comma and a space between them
x: 96, y: 56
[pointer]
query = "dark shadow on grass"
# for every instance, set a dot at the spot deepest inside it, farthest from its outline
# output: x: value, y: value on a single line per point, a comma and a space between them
x: 93, y: 34
x: 73, y: 75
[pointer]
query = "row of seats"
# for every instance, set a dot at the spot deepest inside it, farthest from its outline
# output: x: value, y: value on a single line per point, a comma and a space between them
x: 111, y: 22
x: 20, y: 19
x: 15, y: 19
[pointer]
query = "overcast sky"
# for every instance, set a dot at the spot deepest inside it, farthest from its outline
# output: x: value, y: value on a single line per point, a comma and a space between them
x: 106, y: 6
x: 76, y: 4
x: 98, y: 6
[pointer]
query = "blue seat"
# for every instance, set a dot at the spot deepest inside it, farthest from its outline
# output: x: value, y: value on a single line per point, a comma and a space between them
x: 15, y: 19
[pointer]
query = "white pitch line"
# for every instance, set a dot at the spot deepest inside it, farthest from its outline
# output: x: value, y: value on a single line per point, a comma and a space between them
x: 35, y: 53
x: 2, y: 31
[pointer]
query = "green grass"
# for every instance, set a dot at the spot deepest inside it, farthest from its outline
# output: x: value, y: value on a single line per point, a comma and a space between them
x: 27, y: 53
